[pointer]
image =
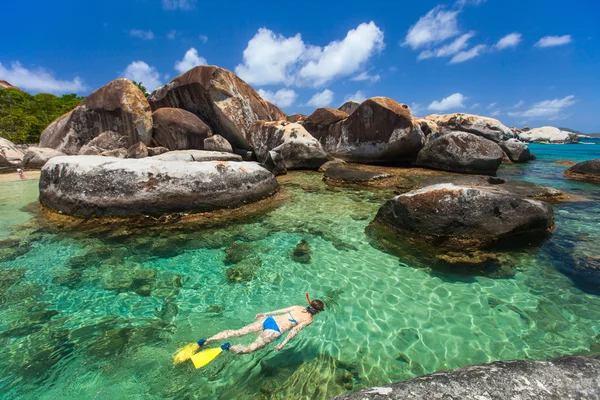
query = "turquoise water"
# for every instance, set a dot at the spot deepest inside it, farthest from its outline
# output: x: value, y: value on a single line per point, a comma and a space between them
x: 97, y: 314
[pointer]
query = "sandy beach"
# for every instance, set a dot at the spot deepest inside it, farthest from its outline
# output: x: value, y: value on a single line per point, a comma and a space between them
x: 14, y: 176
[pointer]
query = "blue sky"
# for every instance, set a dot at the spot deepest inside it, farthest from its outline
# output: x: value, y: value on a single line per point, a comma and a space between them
x: 525, y: 62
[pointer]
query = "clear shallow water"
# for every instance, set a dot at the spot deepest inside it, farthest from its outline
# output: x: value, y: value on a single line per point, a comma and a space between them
x: 98, y: 315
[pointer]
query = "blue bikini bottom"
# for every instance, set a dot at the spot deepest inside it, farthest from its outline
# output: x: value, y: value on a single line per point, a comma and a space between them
x: 270, y: 324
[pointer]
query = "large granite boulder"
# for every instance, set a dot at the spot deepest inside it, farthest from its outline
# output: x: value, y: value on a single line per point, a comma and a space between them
x: 318, y: 123
x: 548, y: 134
x: 588, y: 171
x: 516, y: 150
x: 10, y: 156
x: 380, y: 130
x: 36, y: 157
x: 478, y: 215
x: 103, y: 186
x: 349, y: 107
x: 197, y: 156
x: 217, y: 143
x: 557, y: 379
x: 299, y: 118
x: 219, y: 98
x: 298, y: 149
x: 106, y: 141
x: 178, y: 129
x: 488, y: 128
x: 119, y: 107
x: 461, y: 152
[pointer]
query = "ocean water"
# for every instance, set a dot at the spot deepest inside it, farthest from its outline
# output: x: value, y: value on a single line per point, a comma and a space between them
x: 94, y: 313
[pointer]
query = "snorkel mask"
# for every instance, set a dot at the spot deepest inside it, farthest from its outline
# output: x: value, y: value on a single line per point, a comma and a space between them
x: 310, y: 308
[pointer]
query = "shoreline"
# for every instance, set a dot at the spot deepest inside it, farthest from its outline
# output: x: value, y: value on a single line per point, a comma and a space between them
x: 14, y: 176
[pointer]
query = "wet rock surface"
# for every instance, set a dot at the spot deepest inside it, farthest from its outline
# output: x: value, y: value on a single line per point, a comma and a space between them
x: 561, y: 378
x: 588, y: 171
x: 102, y: 186
x: 461, y: 152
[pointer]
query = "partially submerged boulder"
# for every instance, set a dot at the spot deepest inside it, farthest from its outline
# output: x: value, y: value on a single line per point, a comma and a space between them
x: 36, y: 157
x: 588, y: 171
x: 318, y: 123
x: 118, y: 107
x: 488, y: 128
x: 560, y: 378
x: 219, y: 98
x: 102, y: 186
x: 380, y: 130
x: 178, y: 129
x: 197, y: 156
x: 516, y: 150
x: 217, y: 143
x: 10, y: 156
x: 548, y: 134
x: 478, y: 216
x: 294, y: 144
x: 350, y: 106
x: 352, y: 176
x: 461, y: 152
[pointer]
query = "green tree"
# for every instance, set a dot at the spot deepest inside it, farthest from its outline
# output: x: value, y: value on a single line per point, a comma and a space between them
x: 141, y: 86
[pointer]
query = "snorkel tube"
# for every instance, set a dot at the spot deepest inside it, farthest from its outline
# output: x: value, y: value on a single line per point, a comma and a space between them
x: 308, y: 298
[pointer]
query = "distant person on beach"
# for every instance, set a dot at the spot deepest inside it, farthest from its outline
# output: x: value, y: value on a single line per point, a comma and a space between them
x: 21, y: 174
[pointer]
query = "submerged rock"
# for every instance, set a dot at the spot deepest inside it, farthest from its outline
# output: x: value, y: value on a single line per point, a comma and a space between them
x: 561, y: 378
x: 103, y: 186
x: 244, y: 271
x: 332, y: 164
x: 236, y: 252
x: 488, y: 128
x: 301, y: 252
x: 118, y: 107
x: 36, y: 157
x: 461, y: 152
x: 451, y: 215
x: 353, y: 176
x: 178, y: 129
x: 516, y: 150
x: 218, y: 97
x: 588, y: 171
x: 297, y: 148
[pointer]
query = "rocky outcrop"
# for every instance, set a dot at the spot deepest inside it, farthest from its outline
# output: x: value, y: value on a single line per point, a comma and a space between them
x: 36, y: 157
x: 219, y: 98
x: 548, y: 134
x: 461, y: 152
x: 119, y: 108
x: 380, y: 130
x: 102, y: 186
x: 349, y: 107
x: 480, y: 216
x: 10, y: 156
x: 560, y: 378
x: 106, y: 141
x: 6, y: 85
x: 488, y: 128
x: 138, y: 150
x: 516, y: 150
x: 588, y: 171
x: 178, y: 129
x: 318, y: 123
x: 292, y: 142
x: 217, y: 143
x: 296, y: 118
x: 197, y: 156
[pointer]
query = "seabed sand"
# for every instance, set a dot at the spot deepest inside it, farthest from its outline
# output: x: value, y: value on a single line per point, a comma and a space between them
x: 14, y: 176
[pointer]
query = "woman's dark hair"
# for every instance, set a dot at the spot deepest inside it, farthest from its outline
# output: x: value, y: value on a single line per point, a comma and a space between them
x: 317, y: 305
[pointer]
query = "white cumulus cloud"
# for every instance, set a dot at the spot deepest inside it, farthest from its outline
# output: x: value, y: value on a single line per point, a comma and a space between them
x: 357, y: 96
x: 551, y: 109
x: 139, y: 71
x: 510, y: 40
x: 452, y: 102
x: 190, y: 60
x: 274, y: 59
x: 469, y: 54
x: 434, y: 27
x: 144, y: 35
x: 178, y: 4
x: 322, y: 99
x: 281, y: 98
x: 448, y: 50
x: 551, y: 41
x: 39, y: 80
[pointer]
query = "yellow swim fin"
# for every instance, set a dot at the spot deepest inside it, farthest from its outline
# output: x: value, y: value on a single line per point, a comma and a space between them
x: 204, y: 357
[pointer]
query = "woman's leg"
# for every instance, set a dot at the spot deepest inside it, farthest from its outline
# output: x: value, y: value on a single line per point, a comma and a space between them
x: 261, y: 341
x: 252, y: 328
